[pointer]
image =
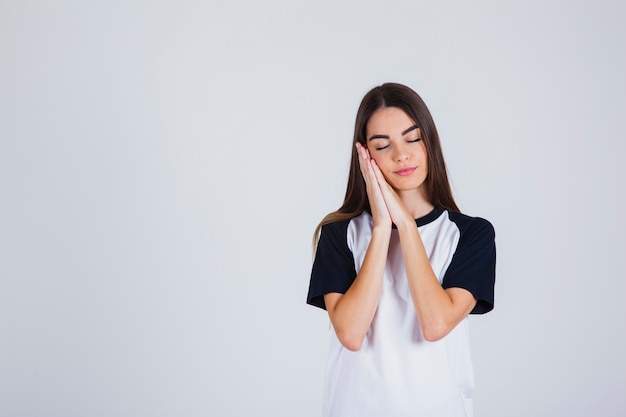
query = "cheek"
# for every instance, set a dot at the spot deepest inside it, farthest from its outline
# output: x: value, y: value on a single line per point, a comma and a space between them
x: 373, y: 154
x: 423, y: 155
x: 379, y: 161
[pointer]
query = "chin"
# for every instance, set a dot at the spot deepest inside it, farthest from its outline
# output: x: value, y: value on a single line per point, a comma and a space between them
x: 418, y: 188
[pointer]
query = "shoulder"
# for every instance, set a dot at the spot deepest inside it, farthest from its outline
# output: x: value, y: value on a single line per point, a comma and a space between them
x: 339, y: 228
x: 333, y: 266
x: 334, y: 230
x: 473, y: 265
x: 472, y: 226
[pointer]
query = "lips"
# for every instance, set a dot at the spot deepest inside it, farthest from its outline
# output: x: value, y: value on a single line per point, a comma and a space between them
x: 405, y: 171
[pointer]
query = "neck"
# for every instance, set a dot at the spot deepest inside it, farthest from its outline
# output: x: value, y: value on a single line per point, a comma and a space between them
x: 416, y: 202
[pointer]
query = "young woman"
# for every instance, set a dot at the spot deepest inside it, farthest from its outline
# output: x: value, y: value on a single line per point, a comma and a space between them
x: 399, y: 268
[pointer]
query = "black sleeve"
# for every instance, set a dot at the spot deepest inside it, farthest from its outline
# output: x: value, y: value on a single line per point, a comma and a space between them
x: 333, y: 268
x: 473, y: 265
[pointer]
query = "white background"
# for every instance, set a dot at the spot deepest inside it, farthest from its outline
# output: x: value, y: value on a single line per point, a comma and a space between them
x: 163, y: 166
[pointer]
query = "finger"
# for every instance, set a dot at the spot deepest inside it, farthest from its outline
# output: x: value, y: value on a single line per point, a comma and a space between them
x: 380, y: 178
x: 360, y: 154
x: 393, y: 203
x: 364, y: 164
x: 359, y: 148
x: 385, y: 189
x: 363, y: 153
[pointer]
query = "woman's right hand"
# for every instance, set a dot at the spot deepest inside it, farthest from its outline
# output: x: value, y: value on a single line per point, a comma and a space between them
x: 352, y: 312
x: 380, y: 212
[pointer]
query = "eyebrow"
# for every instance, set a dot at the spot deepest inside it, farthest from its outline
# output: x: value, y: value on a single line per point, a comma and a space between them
x: 387, y: 136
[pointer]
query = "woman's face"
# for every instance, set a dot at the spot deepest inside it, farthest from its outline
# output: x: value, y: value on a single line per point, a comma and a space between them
x: 394, y: 142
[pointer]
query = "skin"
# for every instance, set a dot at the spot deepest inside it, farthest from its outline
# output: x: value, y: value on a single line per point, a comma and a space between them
x: 398, y: 199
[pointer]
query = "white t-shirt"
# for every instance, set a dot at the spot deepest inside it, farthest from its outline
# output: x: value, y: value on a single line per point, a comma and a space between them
x: 397, y: 372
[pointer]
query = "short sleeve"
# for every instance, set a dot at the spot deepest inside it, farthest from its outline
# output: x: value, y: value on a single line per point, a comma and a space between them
x: 333, y: 267
x: 473, y: 265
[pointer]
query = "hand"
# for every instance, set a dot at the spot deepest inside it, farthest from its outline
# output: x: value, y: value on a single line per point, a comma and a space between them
x: 380, y: 212
x: 395, y: 207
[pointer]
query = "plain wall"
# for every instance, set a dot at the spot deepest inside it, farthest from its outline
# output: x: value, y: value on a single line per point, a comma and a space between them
x: 163, y: 166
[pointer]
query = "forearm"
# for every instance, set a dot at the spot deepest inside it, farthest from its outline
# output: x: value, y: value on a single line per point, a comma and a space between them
x: 352, y: 313
x: 438, y: 310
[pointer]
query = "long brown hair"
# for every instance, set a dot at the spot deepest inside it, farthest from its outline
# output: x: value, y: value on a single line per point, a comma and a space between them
x: 437, y: 185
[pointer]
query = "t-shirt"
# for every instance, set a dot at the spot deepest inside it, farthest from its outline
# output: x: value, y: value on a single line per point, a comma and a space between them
x: 397, y: 372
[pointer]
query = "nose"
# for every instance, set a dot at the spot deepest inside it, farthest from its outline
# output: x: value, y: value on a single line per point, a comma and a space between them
x: 401, y: 153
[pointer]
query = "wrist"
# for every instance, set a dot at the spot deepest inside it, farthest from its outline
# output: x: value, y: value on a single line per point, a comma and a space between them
x: 407, y: 223
x: 382, y: 231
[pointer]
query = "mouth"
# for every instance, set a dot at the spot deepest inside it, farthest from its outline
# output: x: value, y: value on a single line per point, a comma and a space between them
x: 405, y: 171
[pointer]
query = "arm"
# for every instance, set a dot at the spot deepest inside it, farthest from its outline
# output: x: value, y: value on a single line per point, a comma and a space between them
x: 351, y: 314
x: 439, y: 310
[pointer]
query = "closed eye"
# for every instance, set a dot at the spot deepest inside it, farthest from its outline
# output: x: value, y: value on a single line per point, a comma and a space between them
x: 380, y: 148
x: 414, y: 140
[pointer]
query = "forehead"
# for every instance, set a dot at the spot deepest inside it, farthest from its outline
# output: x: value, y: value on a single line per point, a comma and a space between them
x: 387, y: 121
